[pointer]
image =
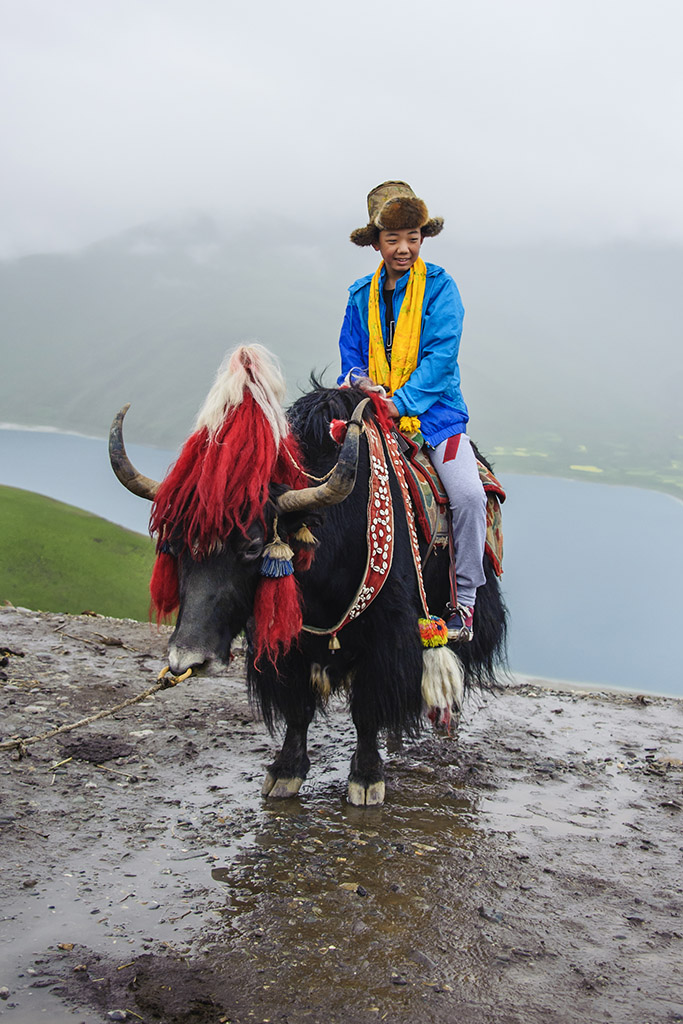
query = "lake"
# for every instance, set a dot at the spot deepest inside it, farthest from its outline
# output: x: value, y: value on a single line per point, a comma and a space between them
x: 592, y: 573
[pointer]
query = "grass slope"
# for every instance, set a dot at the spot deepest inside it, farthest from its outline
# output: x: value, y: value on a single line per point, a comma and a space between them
x: 57, y: 558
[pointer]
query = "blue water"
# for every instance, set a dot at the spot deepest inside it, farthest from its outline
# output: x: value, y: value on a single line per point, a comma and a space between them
x: 76, y: 470
x: 593, y: 581
x: 592, y: 573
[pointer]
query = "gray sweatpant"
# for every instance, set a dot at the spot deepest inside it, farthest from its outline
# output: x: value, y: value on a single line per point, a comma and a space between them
x: 455, y: 462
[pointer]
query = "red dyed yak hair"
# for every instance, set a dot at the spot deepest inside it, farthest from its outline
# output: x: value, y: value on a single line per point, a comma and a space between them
x: 163, y: 586
x: 220, y: 482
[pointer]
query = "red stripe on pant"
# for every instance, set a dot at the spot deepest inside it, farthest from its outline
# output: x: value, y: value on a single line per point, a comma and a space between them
x: 452, y: 445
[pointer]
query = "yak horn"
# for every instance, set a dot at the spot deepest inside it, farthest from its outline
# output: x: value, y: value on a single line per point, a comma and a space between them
x: 340, y: 483
x: 133, y: 481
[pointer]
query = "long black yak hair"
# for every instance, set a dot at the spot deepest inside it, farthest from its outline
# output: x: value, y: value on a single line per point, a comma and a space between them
x: 380, y: 658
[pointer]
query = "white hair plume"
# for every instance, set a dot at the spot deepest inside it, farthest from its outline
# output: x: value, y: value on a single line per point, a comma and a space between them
x: 443, y: 679
x: 252, y: 367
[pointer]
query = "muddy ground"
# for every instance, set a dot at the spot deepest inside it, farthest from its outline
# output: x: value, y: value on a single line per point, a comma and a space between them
x: 527, y: 869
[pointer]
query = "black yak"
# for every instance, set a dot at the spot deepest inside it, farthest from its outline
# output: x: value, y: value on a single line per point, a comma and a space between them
x: 254, y: 492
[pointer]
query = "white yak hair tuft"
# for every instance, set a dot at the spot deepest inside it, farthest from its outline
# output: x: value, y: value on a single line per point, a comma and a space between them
x: 252, y: 367
x: 443, y: 679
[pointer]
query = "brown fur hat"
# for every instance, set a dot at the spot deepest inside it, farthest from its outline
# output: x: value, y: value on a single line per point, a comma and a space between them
x: 393, y: 206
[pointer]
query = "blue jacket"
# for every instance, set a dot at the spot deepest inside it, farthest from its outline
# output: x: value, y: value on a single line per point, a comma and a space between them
x: 433, y: 390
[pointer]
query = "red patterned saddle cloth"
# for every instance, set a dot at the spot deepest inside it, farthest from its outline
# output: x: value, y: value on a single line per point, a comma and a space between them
x: 431, y: 501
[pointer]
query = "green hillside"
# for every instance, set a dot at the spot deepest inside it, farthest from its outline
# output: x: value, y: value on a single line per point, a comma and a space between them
x: 57, y: 558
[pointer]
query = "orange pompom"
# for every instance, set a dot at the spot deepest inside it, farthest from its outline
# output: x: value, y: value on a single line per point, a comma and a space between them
x: 433, y: 632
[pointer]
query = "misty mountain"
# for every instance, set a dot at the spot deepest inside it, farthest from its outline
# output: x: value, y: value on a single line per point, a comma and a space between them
x: 564, y: 349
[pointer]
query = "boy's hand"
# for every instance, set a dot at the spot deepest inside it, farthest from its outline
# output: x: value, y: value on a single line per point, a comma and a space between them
x: 391, y: 409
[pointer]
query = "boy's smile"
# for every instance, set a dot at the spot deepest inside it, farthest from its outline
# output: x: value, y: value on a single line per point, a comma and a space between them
x: 399, y: 250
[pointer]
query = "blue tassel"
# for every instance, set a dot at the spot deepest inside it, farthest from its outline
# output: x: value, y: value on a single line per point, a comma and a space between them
x: 276, y: 567
x: 277, y: 558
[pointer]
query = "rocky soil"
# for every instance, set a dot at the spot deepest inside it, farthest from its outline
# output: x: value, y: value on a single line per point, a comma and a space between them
x: 526, y: 870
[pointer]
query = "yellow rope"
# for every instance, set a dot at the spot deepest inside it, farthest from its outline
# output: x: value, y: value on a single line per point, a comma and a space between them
x: 309, y: 476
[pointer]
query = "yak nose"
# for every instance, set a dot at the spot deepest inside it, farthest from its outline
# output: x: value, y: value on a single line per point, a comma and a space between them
x: 182, y: 658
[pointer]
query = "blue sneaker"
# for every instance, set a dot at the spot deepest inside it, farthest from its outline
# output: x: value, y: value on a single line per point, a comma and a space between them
x: 460, y: 624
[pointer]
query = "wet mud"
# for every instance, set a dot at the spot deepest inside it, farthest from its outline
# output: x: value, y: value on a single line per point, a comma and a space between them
x: 527, y: 869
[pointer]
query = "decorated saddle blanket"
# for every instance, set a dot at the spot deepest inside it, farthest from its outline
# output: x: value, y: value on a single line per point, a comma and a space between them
x: 431, y: 501
x: 426, y: 507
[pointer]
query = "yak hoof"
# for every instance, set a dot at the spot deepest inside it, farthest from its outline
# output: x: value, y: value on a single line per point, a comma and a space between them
x: 366, y: 796
x: 280, y: 789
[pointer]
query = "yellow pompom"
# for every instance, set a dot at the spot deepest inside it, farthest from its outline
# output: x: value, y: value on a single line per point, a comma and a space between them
x: 304, y: 536
x: 409, y: 424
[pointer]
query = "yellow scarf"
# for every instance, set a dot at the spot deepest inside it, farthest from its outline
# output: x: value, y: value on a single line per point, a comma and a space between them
x: 406, y: 337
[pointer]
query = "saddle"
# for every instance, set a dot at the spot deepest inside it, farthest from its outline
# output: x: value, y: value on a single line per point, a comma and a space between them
x: 430, y: 500
x: 427, y: 509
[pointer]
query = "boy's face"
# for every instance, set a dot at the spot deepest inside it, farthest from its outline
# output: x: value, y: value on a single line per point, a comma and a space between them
x: 399, y: 250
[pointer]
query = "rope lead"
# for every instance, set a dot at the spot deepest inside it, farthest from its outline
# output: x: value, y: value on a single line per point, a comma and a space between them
x: 164, y: 681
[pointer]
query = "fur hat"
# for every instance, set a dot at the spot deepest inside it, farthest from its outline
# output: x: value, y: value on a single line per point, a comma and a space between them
x: 393, y: 206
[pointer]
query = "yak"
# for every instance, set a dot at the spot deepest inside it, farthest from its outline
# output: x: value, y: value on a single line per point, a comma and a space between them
x: 256, y: 493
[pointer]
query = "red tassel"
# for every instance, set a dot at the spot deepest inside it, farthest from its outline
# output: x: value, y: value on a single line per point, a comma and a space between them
x: 440, y: 717
x: 338, y: 431
x: 164, y: 585
x: 303, y: 559
x: 277, y: 615
x: 381, y: 414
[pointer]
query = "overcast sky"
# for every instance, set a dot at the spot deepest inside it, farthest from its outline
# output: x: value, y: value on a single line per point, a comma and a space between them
x: 516, y: 120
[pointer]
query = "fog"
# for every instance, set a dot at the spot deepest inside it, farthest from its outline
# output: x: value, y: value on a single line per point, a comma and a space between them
x: 516, y: 122
x: 180, y: 177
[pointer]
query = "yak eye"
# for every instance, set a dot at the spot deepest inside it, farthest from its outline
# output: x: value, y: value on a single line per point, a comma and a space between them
x: 250, y: 550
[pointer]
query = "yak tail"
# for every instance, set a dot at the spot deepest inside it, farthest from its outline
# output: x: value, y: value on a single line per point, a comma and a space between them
x: 443, y: 683
x: 253, y: 368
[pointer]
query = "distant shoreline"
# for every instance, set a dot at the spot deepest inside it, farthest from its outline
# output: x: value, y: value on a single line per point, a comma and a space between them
x: 49, y: 430
x: 20, y: 427
x: 571, y: 686
x: 588, y: 478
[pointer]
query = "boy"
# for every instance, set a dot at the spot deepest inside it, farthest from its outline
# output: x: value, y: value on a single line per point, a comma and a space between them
x: 402, y: 329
